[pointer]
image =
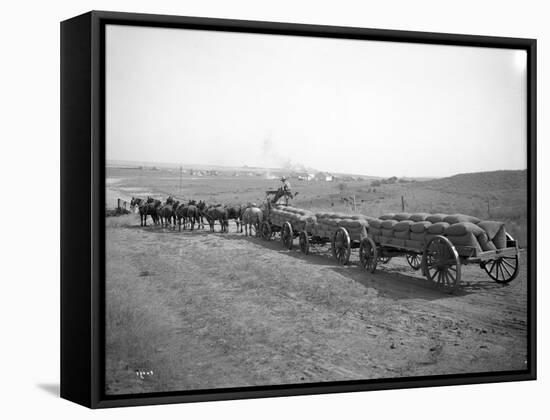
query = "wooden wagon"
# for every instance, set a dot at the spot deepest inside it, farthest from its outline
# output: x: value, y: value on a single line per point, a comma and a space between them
x: 440, y: 260
x: 278, y: 220
x: 342, y: 240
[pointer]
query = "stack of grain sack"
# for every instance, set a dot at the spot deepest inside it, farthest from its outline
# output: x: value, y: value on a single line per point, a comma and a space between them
x: 415, y: 230
x: 298, y: 218
x: 328, y: 223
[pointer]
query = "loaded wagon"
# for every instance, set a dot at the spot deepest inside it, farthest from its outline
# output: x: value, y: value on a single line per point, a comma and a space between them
x: 440, y: 245
x: 284, y: 220
x: 343, y: 232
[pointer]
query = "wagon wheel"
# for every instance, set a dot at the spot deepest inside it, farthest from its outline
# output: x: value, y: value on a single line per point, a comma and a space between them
x: 441, y: 264
x: 414, y: 260
x: 368, y: 254
x: 304, y: 243
x: 384, y: 260
x: 287, y: 236
x: 502, y: 270
x: 341, y: 245
x: 265, y: 231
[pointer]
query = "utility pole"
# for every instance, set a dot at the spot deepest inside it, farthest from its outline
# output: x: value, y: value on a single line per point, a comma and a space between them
x: 402, y: 204
x: 181, y: 181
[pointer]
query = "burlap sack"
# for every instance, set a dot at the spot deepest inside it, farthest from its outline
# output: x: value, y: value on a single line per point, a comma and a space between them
x: 419, y: 227
x: 459, y: 218
x: 388, y: 216
x: 352, y: 223
x: 468, y: 239
x: 402, y: 216
x: 496, y: 231
x: 419, y: 217
x: 374, y: 231
x: 485, y: 243
x: 403, y: 225
x: 388, y: 233
x: 388, y: 224
x: 462, y: 228
x: 376, y: 223
x: 437, y: 228
x: 435, y: 218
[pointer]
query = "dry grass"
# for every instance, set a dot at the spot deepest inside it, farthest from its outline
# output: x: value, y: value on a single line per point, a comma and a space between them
x: 125, y: 220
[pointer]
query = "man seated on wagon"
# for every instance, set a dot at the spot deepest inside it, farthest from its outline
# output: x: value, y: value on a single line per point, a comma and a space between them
x: 283, y: 191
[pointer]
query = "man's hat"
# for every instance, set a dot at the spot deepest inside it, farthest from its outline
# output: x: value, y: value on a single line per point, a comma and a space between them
x: 283, y: 178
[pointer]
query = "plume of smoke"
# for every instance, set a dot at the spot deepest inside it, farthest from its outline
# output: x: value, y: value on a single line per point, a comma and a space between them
x: 272, y: 157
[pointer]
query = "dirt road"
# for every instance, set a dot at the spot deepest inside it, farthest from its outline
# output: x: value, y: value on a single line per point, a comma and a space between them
x: 195, y: 310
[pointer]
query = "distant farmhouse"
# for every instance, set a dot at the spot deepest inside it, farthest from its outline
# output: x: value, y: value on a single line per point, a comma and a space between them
x: 302, y: 176
x: 324, y: 176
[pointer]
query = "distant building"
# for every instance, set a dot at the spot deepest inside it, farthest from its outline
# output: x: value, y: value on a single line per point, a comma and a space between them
x: 303, y: 176
x: 324, y: 176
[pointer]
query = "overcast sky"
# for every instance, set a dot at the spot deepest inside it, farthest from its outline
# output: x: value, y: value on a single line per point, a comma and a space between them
x: 364, y: 107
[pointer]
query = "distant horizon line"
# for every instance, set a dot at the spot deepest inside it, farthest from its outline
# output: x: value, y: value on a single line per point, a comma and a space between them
x: 202, y: 165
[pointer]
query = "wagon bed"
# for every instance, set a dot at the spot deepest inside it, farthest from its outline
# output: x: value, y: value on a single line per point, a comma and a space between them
x: 441, y: 260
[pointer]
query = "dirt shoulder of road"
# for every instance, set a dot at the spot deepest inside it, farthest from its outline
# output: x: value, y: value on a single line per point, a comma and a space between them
x: 195, y: 310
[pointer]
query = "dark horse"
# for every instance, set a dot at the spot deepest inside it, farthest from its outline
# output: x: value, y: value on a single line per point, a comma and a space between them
x: 136, y: 202
x: 193, y: 214
x: 219, y: 213
x: 165, y: 212
x: 235, y: 212
x: 180, y: 214
x: 146, y: 208
x: 202, y: 209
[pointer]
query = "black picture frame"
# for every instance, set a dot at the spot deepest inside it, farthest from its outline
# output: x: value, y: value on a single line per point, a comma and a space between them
x: 83, y: 204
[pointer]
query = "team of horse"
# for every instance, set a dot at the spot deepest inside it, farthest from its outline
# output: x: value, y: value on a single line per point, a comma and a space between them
x: 172, y: 213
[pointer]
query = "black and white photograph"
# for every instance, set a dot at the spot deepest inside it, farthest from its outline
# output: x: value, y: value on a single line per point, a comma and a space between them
x: 285, y: 209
